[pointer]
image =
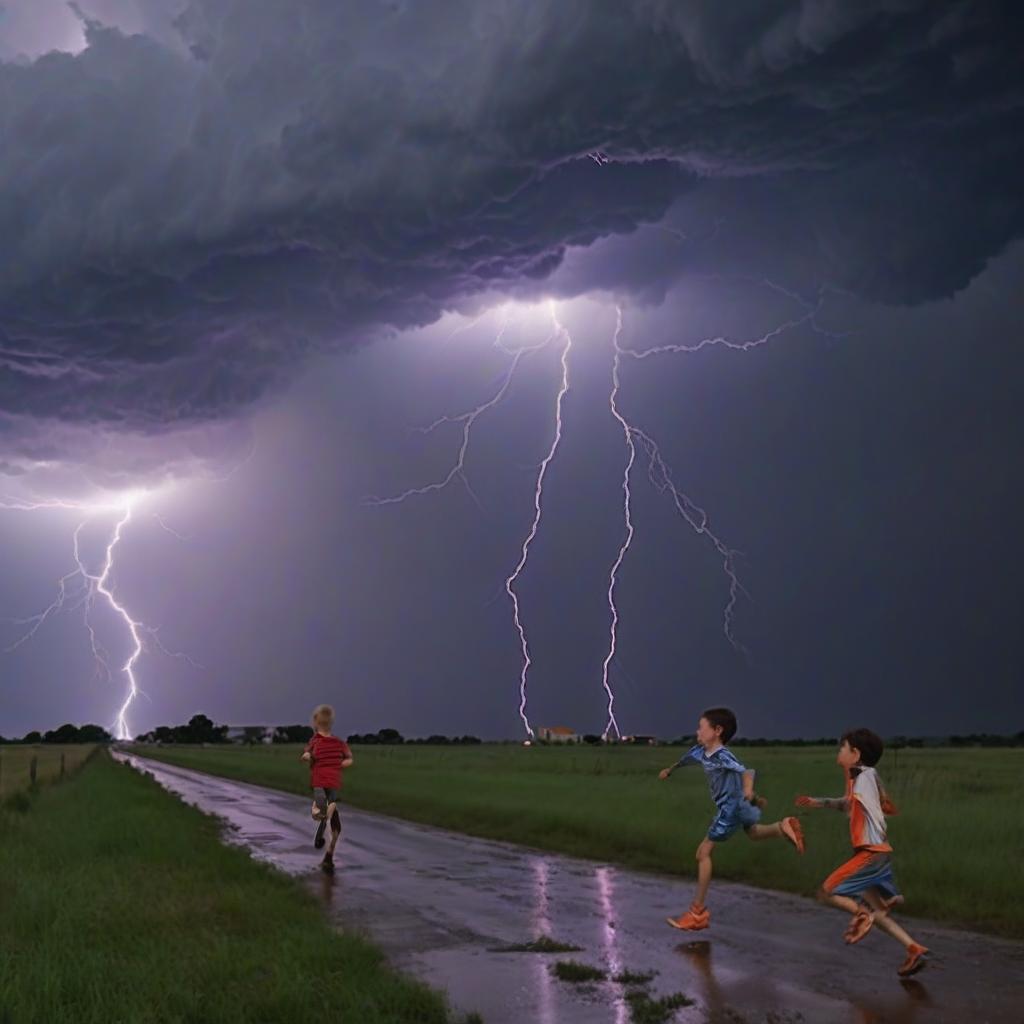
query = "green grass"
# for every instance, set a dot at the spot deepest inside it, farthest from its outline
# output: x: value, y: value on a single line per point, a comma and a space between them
x: 122, y: 906
x: 15, y: 761
x: 576, y: 973
x: 634, y: 977
x: 647, y: 1009
x: 543, y: 944
x: 959, y: 840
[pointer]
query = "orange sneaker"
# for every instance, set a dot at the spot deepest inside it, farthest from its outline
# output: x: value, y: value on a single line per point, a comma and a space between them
x: 917, y: 959
x: 694, y: 920
x: 793, y: 831
x: 860, y: 925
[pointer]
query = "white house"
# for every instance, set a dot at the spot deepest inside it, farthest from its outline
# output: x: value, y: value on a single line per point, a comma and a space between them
x: 557, y: 734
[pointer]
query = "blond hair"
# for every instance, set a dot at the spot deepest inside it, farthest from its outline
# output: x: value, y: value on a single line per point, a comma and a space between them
x: 323, y: 711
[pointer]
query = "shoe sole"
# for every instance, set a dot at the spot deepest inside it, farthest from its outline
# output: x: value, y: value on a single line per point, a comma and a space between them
x: 852, y: 940
x: 919, y: 965
x: 681, y: 928
x: 794, y: 833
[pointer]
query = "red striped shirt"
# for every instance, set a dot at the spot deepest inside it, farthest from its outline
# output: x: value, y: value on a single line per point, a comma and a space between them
x: 325, y: 767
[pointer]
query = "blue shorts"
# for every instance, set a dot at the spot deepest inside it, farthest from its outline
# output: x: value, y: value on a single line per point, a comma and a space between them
x: 740, y: 814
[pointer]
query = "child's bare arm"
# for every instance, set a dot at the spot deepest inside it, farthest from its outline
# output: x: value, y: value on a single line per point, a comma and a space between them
x: 347, y: 762
x: 832, y: 803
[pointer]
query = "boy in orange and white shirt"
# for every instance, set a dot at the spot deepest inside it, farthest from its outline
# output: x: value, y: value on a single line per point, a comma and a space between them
x: 868, y: 873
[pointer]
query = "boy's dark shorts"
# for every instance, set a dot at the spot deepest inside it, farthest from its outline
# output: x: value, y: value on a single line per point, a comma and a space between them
x: 323, y: 798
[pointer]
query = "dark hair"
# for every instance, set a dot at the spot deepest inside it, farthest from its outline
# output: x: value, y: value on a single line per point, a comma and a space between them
x: 723, y: 717
x: 868, y: 744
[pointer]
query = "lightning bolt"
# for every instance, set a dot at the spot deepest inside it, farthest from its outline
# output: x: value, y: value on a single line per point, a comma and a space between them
x: 467, y: 421
x: 538, y: 496
x: 660, y: 475
x: 627, y: 501
x: 84, y: 586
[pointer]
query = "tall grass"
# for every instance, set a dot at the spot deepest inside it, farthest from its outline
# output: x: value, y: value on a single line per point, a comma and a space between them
x: 121, y: 905
x: 16, y: 760
x: 959, y: 838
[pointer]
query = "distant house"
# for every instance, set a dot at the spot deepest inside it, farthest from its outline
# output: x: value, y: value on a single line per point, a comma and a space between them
x: 250, y: 734
x: 641, y: 741
x: 557, y: 734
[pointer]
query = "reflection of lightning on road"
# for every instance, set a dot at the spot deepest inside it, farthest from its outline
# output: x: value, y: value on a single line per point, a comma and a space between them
x: 81, y: 586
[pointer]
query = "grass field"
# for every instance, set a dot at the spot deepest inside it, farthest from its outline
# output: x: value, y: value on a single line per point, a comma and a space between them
x: 122, y: 906
x: 959, y: 840
x: 15, y: 761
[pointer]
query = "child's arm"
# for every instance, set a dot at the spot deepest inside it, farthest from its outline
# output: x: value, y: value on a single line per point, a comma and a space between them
x: 307, y: 753
x: 692, y: 756
x: 346, y: 756
x: 832, y: 803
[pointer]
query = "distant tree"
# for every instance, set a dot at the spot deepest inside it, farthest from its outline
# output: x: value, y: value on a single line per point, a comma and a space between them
x: 437, y: 740
x: 93, y: 734
x: 591, y: 738
x: 253, y: 734
x: 67, y: 733
x: 146, y: 737
x: 292, y: 733
x: 164, y: 734
x: 202, y: 730
x: 389, y: 736
x: 32, y: 737
x: 469, y: 740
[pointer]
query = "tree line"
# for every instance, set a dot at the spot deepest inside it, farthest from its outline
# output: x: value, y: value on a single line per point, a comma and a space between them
x: 67, y: 733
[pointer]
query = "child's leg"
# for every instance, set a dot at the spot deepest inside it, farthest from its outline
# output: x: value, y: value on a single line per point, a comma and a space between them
x: 704, y: 852
x: 884, y: 919
x: 335, y: 818
x: 787, y: 828
x: 851, y: 906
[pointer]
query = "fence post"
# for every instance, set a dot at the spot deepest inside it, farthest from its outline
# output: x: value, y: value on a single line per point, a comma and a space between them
x: 32, y: 770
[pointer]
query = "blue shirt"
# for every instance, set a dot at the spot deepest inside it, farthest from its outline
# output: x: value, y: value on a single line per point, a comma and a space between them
x: 724, y: 773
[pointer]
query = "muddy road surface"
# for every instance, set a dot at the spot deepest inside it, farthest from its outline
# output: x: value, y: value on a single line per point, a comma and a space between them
x: 443, y: 906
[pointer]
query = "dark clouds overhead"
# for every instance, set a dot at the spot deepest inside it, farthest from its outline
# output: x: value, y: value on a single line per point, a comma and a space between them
x: 186, y: 214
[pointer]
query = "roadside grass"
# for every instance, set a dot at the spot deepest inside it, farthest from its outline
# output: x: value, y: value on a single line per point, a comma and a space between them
x: 958, y: 839
x: 121, y: 905
x: 16, y: 760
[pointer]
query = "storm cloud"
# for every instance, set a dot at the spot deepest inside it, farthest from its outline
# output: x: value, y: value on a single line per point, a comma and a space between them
x: 191, y: 206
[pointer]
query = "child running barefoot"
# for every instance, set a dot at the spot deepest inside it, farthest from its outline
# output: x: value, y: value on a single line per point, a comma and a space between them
x: 328, y: 757
x: 732, y: 789
x: 868, y: 874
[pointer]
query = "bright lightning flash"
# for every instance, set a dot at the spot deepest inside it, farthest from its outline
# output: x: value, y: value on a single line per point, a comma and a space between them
x: 538, y: 498
x: 82, y: 587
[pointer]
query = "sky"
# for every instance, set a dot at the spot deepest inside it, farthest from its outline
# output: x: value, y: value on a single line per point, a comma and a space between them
x: 248, y: 248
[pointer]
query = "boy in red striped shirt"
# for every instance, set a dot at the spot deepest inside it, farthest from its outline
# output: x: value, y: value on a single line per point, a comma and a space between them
x: 328, y: 757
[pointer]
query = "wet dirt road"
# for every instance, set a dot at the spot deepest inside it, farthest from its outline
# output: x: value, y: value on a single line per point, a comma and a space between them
x: 440, y: 904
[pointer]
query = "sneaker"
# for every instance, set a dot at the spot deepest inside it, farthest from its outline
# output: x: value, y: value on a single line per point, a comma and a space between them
x: 694, y: 920
x: 917, y: 959
x: 318, y: 839
x: 860, y: 925
x: 327, y: 864
x: 793, y: 831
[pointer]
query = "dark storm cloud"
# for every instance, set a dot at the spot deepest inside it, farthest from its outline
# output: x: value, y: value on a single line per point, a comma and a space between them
x: 182, y: 221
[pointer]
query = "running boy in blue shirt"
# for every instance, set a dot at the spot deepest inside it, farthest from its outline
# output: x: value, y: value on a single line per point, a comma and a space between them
x: 732, y: 789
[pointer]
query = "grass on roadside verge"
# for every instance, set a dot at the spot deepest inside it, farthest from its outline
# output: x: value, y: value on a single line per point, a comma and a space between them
x: 121, y: 905
x: 957, y: 845
x: 16, y: 758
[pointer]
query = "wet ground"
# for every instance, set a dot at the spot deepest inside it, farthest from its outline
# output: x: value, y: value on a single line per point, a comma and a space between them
x: 441, y: 905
